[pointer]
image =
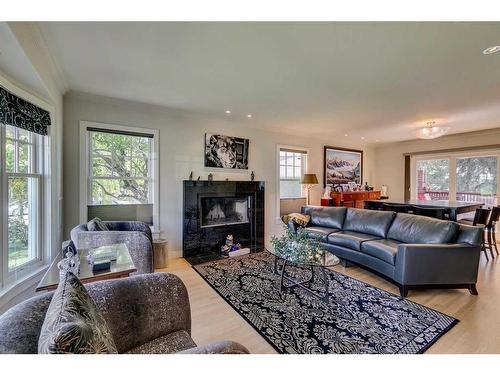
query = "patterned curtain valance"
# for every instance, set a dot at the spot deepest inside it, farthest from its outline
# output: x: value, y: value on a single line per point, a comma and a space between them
x: 22, y: 114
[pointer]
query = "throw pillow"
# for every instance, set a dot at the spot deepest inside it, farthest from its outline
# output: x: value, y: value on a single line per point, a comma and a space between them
x: 300, y: 219
x: 73, y: 324
x: 96, y: 224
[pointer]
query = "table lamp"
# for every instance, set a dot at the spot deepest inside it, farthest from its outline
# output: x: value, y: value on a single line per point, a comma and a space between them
x: 309, y: 180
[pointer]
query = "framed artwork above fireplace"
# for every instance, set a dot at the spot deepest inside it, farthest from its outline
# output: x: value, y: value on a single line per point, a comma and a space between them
x: 222, y: 151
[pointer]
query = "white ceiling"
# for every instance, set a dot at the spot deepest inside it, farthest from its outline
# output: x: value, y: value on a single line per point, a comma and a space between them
x: 372, y: 80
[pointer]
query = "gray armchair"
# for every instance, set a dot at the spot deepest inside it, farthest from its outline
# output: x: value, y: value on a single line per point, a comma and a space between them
x: 146, y: 314
x: 135, y: 234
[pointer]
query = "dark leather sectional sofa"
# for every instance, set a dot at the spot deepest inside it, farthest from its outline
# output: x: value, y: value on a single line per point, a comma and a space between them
x: 412, y: 251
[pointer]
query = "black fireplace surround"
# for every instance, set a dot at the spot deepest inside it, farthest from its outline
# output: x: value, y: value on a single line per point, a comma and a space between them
x: 215, y: 209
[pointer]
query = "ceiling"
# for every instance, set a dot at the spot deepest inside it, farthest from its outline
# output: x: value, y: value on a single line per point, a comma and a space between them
x: 379, y: 81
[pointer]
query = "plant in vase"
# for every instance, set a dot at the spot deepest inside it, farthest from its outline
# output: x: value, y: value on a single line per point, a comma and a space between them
x: 297, y: 247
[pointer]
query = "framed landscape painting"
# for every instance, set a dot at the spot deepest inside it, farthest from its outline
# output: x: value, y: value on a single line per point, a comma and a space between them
x: 226, y: 152
x: 342, y: 165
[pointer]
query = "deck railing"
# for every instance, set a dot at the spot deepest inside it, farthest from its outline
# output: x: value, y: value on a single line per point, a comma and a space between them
x: 488, y: 200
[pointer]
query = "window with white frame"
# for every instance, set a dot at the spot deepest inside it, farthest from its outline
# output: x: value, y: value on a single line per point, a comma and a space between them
x: 120, y: 168
x: 463, y: 176
x: 292, y: 165
x: 21, y: 186
x: 120, y: 172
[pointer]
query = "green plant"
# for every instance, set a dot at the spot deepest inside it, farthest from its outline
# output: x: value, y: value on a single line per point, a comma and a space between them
x: 297, y: 247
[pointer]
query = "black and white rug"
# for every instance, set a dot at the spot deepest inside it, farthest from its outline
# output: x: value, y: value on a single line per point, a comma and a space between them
x: 358, y: 319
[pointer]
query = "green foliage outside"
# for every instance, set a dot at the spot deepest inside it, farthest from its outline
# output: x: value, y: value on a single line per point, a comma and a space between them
x: 123, y: 156
x: 18, y: 206
x: 477, y: 174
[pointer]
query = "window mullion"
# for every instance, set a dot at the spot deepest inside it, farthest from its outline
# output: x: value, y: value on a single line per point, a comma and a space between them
x: 452, y: 172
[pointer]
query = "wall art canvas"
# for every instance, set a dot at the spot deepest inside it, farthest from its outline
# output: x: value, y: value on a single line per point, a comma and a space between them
x: 226, y: 152
x: 342, y: 166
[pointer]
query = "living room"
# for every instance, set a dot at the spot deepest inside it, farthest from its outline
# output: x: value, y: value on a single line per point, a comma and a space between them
x: 266, y: 187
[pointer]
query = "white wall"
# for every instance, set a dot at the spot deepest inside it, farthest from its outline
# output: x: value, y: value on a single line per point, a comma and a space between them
x: 181, y: 151
x: 389, y: 160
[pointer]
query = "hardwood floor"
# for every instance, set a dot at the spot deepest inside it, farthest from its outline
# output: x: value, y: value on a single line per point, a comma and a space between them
x: 477, y: 332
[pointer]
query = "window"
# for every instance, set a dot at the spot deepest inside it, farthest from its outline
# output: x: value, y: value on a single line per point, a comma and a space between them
x: 465, y: 176
x: 120, y: 168
x: 477, y: 179
x: 433, y: 177
x: 22, y: 178
x: 292, y: 166
x: 120, y: 171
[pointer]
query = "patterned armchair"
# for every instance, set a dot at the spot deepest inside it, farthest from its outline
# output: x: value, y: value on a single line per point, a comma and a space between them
x: 136, y: 234
x: 146, y: 314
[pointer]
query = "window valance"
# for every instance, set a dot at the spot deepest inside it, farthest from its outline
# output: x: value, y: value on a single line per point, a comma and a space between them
x: 18, y: 112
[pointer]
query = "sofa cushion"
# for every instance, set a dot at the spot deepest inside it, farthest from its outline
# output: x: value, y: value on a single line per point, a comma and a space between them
x: 171, y: 343
x: 383, y: 249
x: 332, y: 217
x: 319, y: 233
x: 420, y: 229
x: 372, y: 222
x: 351, y: 240
x: 73, y: 324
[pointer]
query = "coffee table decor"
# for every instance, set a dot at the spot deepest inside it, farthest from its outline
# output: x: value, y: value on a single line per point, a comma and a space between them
x: 358, y: 318
x: 296, y: 249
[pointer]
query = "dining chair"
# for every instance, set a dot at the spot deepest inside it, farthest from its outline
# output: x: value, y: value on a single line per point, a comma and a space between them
x: 395, y: 207
x: 481, y: 218
x: 437, y: 213
x: 490, y: 230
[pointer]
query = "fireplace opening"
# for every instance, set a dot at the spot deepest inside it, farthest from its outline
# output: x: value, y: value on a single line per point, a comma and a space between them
x: 220, y: 211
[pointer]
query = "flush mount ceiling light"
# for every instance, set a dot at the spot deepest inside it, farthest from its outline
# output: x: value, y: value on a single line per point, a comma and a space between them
x: 490, y: 50
x: 432, y: 131
x: 228, y: 112
x: 249, y: 116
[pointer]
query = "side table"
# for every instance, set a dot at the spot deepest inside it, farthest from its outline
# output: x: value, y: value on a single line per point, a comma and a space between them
x: 160, y: 253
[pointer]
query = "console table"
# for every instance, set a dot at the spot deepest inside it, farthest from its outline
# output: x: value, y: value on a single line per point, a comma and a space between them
x: 354, y: 199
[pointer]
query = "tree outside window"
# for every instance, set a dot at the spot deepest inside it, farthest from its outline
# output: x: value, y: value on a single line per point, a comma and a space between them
x: 120, y: 167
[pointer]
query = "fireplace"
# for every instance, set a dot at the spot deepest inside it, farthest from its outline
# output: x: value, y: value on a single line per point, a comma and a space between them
x: 215, y: 209
x: 218, y: 211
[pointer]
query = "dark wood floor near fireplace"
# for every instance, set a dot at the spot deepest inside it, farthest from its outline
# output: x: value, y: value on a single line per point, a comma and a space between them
x: 215, y: 209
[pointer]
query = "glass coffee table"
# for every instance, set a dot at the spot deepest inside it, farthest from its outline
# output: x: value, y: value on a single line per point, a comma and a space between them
x: 316, y: 260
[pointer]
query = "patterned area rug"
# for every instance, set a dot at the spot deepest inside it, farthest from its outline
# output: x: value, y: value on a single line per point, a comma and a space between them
x: 358, y: 319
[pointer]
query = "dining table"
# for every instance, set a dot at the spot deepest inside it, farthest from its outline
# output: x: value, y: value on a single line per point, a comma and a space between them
x: 454, y: 208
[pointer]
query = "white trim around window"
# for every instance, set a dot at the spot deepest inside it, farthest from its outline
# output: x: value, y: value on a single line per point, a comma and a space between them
x: 85, y: 165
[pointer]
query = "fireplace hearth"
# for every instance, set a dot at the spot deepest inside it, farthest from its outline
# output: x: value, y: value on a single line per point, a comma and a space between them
x: 215, y: 209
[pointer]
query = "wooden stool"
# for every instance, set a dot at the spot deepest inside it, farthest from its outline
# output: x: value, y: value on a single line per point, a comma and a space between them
x: 160, y: 253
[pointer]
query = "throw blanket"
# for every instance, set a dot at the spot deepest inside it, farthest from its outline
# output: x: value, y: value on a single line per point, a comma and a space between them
x: 300, y: 219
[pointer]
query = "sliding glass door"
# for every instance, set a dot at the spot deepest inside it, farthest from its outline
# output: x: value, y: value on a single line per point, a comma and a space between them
x: 471, y: 177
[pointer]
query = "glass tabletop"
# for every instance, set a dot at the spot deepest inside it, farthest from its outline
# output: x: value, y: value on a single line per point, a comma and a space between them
x: 306, y: 255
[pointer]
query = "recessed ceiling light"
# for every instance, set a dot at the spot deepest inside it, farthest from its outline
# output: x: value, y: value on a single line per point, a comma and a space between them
x: 228, y: 112
x: 376, y: 140
x: 249, y: 116
x: 345, y: 135
x: 362, y: 137
x: 490, y: 50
